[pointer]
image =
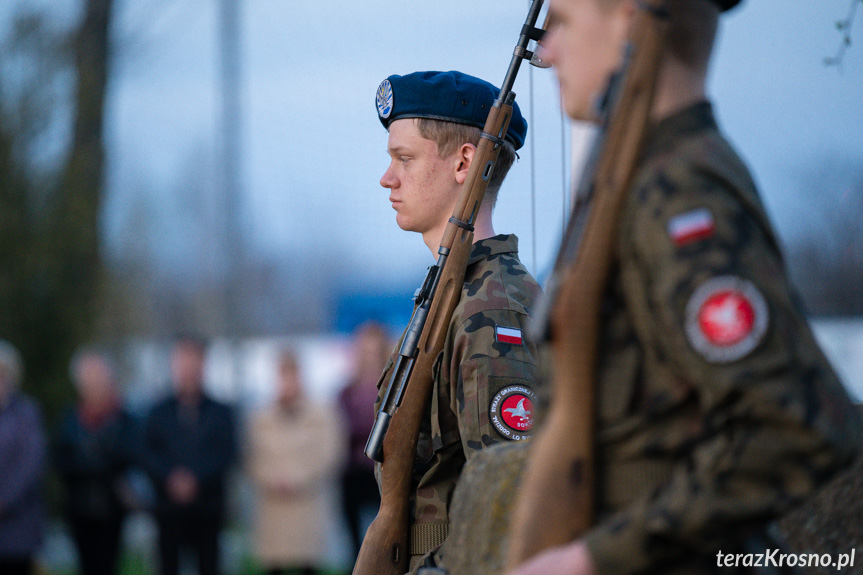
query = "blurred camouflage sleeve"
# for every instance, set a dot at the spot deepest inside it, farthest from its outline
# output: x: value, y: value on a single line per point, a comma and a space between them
x: 752, y: 427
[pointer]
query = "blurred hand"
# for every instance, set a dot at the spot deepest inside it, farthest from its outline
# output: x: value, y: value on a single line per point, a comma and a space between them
x: 571, y: 559
x: 182, y: 486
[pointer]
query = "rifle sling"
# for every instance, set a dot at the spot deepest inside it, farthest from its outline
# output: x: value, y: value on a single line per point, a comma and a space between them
x: 427, y: 536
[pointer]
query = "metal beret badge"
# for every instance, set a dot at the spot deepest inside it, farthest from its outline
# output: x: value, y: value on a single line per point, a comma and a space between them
x: 384, y: 99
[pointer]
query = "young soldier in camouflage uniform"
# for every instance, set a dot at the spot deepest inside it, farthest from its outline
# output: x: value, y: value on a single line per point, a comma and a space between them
x: 716, y: 411
x: 484, y: 379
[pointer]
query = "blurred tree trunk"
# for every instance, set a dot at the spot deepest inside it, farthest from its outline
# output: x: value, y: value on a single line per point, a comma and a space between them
x: 15, y: 237
x: 75, y: 211
x: 73, y: 238
x: 50, y: 263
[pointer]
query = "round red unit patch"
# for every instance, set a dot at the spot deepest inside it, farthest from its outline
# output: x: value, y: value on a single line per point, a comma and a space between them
x: 516, y: 412
x: 511, y: 411
x: 726, y: 318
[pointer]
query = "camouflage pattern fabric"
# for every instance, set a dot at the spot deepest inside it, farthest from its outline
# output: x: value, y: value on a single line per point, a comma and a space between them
x: 475, y: 367
x: 481, y: 511
x: 716, y: 410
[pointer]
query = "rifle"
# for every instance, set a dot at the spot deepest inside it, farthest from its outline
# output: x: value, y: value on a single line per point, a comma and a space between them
x: 556, y: 502
x: 393, y: 440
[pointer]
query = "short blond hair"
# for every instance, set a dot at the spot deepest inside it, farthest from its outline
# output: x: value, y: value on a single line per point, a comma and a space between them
x: 450, y: 136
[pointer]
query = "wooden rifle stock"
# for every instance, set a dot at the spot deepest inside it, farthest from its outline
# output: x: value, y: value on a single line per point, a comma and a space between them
x: 385, y: 547
x: 556, y: 502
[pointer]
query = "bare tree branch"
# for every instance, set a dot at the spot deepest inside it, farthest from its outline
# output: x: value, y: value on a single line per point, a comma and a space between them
x: 844, y: 26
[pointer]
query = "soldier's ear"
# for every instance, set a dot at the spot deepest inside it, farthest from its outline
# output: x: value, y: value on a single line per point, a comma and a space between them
x: 464, y: 157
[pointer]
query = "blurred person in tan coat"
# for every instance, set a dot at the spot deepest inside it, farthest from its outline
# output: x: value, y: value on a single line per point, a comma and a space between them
x: 294, y: 446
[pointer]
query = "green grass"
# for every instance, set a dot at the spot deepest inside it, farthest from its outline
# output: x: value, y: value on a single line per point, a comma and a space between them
x: 132, y: 563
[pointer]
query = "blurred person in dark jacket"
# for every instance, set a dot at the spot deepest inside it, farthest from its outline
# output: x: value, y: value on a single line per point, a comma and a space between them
x: 188, y: 448
x: 22, y: 468
x: 360, y: 494
x: 93, y: 452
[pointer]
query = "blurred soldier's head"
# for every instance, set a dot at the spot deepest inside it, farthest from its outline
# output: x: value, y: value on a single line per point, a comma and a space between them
x: 94, y: 376
x: 289, y: 387
x: 11, y: 370
x: 586, y: 45
x: 187, y: 366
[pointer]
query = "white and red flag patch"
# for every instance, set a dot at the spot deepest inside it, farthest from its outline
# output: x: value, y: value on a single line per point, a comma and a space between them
x: 726, y: 318
x: 510, y: 335
x: 691, y: 226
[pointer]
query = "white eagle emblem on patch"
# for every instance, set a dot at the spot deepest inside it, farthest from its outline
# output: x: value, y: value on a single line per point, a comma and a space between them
x: 384, y: 99
x: 519, y: 411
x: 726, y: 318
x: 511, y: 411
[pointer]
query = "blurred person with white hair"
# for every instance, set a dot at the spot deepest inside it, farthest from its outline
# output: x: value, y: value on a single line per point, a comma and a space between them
x: 22, y: 469
x: 94, y: 451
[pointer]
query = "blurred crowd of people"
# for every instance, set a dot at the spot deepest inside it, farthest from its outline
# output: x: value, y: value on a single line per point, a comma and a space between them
x: 185, y: 446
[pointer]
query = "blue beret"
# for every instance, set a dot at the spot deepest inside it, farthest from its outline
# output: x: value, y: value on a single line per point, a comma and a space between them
x: 449, y: 96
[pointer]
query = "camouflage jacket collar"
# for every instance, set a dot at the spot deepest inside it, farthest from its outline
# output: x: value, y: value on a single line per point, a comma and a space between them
x: 668, y: 132
x: 499, y: 244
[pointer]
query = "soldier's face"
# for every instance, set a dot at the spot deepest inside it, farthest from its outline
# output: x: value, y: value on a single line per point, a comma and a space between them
x: 585, y: 45
x: 423, y: 186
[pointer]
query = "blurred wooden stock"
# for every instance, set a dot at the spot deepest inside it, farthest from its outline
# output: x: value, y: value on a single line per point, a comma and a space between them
x: 556, y: 502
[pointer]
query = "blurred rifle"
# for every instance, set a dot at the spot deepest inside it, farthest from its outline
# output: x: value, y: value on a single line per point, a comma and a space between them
x: 556, y: 502
x: 393, y: 439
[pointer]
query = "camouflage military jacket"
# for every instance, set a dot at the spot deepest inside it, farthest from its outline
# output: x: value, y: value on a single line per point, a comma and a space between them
x: 484, y: 380
x: 716, y: 410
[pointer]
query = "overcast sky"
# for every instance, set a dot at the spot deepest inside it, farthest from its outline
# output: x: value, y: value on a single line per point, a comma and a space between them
x: 313, y: 149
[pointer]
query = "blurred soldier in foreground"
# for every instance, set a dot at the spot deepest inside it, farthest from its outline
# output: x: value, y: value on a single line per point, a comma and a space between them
x: 295, y: 447
x: 485, y: 378
x: 360, y: 495
x: 22, y: 469
x: 716, y: 411
x: 94, y: 450
x: 188, y: 448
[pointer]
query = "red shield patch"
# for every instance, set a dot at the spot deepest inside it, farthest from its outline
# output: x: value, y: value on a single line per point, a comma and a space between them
x: 511, y: 411
x: 726, y: 318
